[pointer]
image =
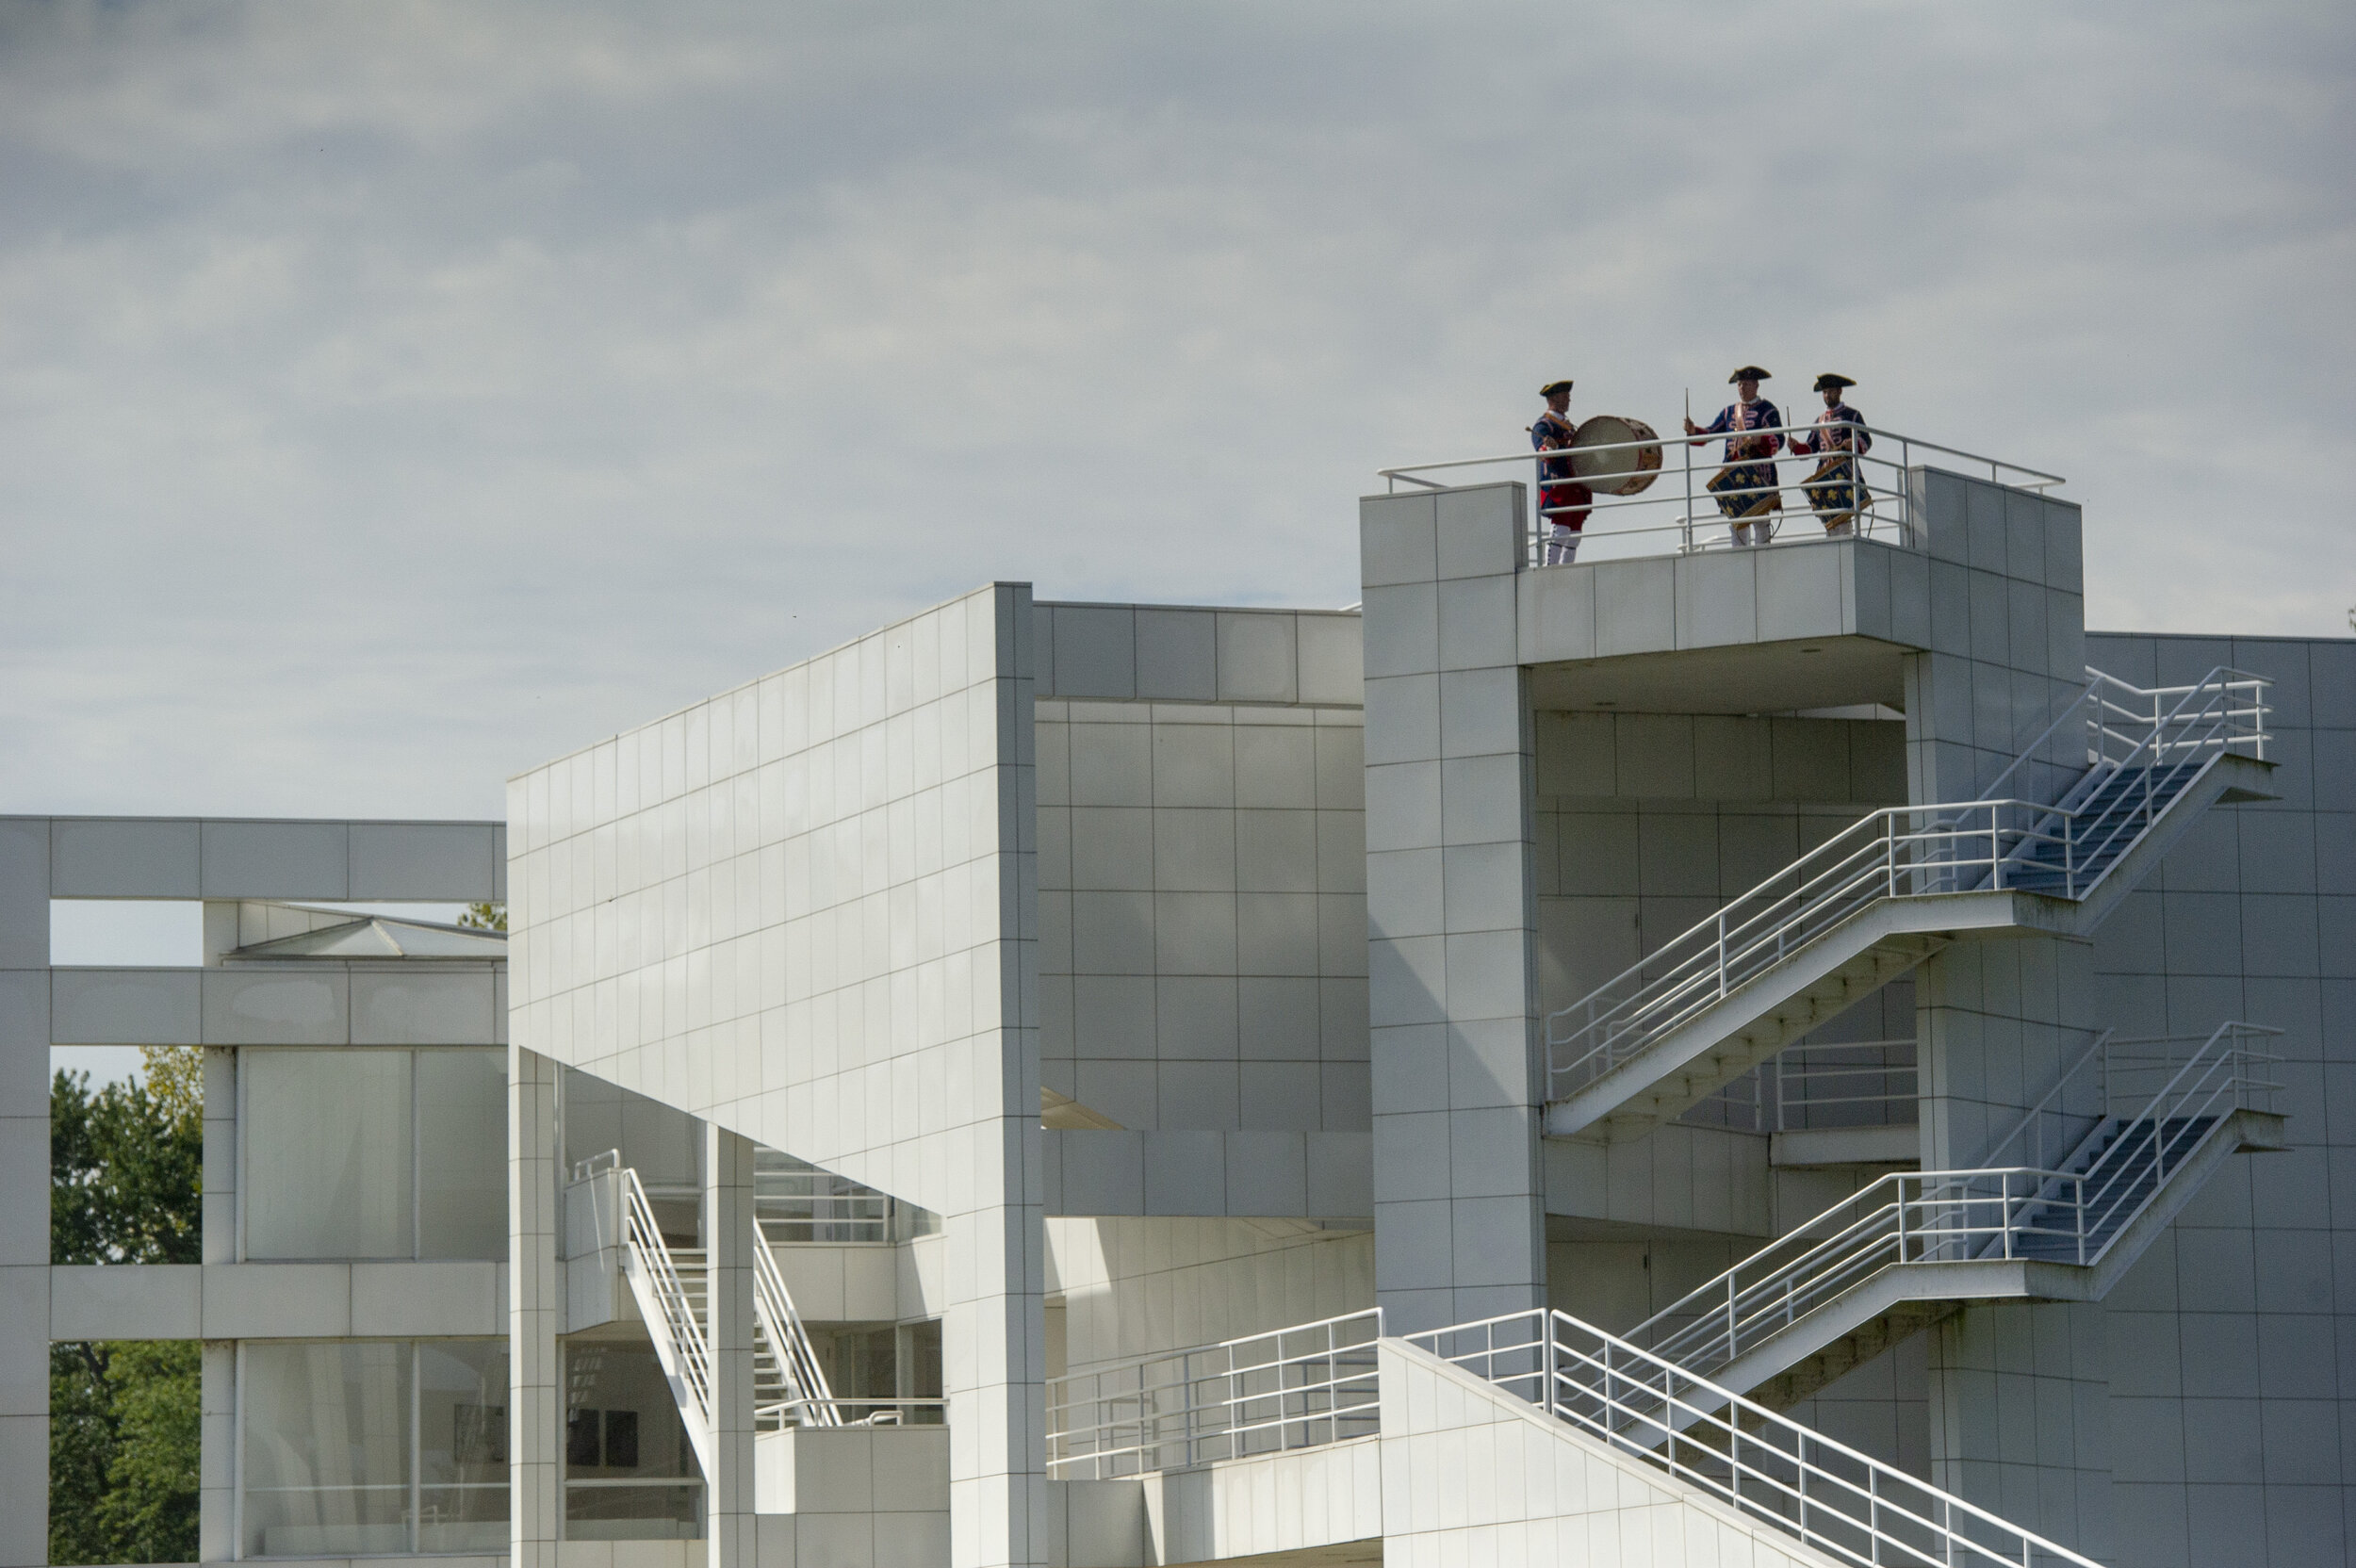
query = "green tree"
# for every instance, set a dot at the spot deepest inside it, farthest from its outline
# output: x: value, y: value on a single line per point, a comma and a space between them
x: 126, y: 1166
x: 484, y: 917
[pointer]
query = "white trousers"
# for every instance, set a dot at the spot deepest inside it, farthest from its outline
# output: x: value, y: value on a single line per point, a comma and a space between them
x: 1561, y: 545
x: 1758, y: 532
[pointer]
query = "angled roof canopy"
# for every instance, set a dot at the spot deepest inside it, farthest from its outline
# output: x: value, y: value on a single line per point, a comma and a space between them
x: 339, y: 934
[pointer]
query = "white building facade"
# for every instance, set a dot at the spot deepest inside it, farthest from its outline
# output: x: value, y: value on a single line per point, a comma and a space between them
x: 1799, y: 1053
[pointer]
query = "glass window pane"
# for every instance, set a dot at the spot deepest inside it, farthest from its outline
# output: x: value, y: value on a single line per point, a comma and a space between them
x: 327, y: 1153
x: 326, y: 1467
x: 605, y: 1381
x: 629, y: 1472
x: 462, y: 1445
x: 462, y: 1153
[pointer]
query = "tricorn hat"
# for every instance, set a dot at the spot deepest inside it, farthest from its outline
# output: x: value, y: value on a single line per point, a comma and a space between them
x: 1552, y: 387
x: 1748, y: 372
x: 1829, y: 382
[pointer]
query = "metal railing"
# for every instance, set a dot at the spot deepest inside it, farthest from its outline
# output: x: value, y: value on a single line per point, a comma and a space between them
x: 1678, y: 511
x: 2157, y: 1101
x: 808, y: 1400
x: 861, y: 1412
x: 1914, y: 851
x: 673, y: 1310
x: 670, y: 1313
x: 1817, y: 1087
x: 1319, y: 1383
x: 1292, y: 1388
x: 1853, y: 1507
x: 797, y: 1203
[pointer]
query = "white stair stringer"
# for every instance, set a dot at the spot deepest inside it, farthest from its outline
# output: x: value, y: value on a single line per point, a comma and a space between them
x: 2226, y: 780
x: 1599, y: 1490
x: 673, y: 1316
x: 670, y: 1286
x: 1898, y: 1303
x: 1878, y: 898
x: 1817, y: 982
x: 1913, y: 1247
x: 1678, y: 1441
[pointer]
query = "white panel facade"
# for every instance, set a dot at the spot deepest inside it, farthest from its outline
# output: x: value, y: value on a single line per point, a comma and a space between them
x: 801, y: 911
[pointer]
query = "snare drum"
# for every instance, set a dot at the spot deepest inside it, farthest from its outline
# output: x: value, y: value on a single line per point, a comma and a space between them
x: 1627, y: 471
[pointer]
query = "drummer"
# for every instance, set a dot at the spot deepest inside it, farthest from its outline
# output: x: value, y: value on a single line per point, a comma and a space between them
x: 1834, y: 489
x: 1745, y: 487
x: 1563, y: 503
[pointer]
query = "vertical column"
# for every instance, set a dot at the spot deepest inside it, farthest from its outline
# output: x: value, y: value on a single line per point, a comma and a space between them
x: 535, y: 1306
x: 2018, y: 1394
x: 215, y: 1502
x: 24, y: 1190
x: 993, y: 1335
x: 729, y: 1241
x: 220, y: 1154
x: 1451, y: 911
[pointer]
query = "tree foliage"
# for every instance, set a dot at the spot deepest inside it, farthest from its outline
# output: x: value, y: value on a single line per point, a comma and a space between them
x: 484, y: 917
x: 127, y: 1166
x: 126, y: 1163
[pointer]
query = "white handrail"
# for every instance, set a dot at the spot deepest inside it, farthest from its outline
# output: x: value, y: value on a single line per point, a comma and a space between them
x: 1880, y: 486
x: 1913, y: 851
x: 1795, y: 1092
x: 2000, y: 1212
x: 1290, y: 1388
x: 1319, y: 1382
x: 1852, y: 1507
x: 679, y: 1338
x: 1407, y: 470
x: 789, y: 1341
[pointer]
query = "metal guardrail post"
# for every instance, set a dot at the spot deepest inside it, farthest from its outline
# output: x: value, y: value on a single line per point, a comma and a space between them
x: 2079, y: 1184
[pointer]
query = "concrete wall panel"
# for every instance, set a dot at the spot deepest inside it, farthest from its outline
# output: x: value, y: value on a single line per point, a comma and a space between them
x: 276, y: 860
x: 444, y: 862
x: 126, y: 1007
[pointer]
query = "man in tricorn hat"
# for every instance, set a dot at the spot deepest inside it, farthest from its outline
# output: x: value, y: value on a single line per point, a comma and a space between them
x: 1563, y: 502
x: 1745, y: 487
x: 1840, y: 437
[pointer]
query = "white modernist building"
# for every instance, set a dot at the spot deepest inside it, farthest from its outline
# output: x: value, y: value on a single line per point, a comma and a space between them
x: 1792, y: 1054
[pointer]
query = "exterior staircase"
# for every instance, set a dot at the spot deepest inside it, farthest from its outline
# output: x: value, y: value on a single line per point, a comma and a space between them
x: 2071, y: 1198
x: 671, y: 1286
x: 1894, y: 888
x: 1183, y: 1448
x: 773, y: 1386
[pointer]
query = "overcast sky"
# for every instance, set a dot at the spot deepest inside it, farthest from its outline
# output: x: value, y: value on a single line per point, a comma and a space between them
x: 393, y: 396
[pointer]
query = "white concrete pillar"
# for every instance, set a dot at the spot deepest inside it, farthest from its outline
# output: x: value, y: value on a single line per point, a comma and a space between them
x: 219, y: 1201
x: 729, y: 1241
x: 1451, y: 918
x: 24, y: 1191
x: 215, y: 1499
x: 1998, y: 1021
x: 536, y: 1313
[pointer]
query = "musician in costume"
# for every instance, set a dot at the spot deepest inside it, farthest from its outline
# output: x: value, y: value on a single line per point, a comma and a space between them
x: 1835, y: 490
x: 1563, y: 502
x: 1745, y: 487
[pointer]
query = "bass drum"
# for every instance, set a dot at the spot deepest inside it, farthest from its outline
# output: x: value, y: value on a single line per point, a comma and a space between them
x: 1629, y: 471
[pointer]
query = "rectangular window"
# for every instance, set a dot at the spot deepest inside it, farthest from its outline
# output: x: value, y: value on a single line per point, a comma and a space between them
x: 370, y: 1448
x: 462, y: 1155
x: 327, y: 1155
x: 373, y: 1154
x: 461, y: 1447
x: 326, y: 1461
